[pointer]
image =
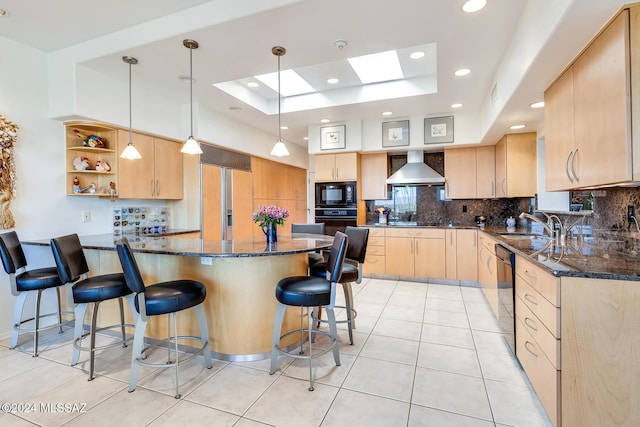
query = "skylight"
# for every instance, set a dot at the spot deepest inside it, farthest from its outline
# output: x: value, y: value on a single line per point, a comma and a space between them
x: 377, y: 67
x: 290, y: 83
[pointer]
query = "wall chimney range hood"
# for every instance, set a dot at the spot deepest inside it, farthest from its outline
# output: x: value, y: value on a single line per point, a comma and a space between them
x: 415, y: 172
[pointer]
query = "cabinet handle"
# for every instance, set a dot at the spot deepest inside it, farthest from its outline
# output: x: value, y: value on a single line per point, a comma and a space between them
x: 530, y: 323
x: 493, y: 188
x: 530, y: 275
x: 451, y: 239
x: 489, y: 265
x: 412, y: 247
x: 566, y: 166
x: 157, y: 187
x: 417, y: 247
x: 573, y: 162
x: 337, y: 173
x: 475, y: 237
x: 504, y: 186
x: 480, y: 256
x: 528, y: 345
x: 153, y: 188
x: 413, y: 233
x: 531, y: 299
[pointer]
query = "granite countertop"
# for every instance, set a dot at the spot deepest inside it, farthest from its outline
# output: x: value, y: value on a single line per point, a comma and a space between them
x: 248, y: 247
x: 604, y: 255
x: 171, y: 232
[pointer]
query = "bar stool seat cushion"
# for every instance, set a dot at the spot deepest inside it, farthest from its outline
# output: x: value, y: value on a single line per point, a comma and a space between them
x: 100, y: 288
x: 172, y: 296
x: 304, y: 291
x: 349, y: 271
x: 39, y: 278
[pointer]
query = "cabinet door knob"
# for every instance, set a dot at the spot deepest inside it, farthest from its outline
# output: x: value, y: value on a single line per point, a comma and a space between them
x: 157, y: 187
x: 153, y: 188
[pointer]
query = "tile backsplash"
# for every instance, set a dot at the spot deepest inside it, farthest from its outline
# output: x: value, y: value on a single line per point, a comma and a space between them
x: 140, y: 220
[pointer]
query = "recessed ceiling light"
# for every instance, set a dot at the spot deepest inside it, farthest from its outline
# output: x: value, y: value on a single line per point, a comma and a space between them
x: 387, y: 113
x: 514, y: 127
x: 462, y: 72
x: 332, y: 81
x: 253, y: 84
x: 456, y: 105
x: 539, y: 104
x: 471, y: 6
x: 284, y: 127
x: 324, y: 120
x: 417, y: 54
x: 377, y: 67
x: 306, y: 138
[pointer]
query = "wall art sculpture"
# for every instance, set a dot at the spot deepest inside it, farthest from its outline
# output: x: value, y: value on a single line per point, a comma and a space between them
x: 8, y: 137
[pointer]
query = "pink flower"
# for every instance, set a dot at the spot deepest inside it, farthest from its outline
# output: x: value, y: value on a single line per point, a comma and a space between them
x: 270, y: 215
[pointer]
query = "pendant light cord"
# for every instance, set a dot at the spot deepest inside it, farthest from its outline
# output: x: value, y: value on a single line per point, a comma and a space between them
x: 191, y: 87
x: 130, y: 124
x: 279, y: 101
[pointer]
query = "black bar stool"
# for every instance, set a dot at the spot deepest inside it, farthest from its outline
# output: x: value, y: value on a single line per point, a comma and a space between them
x: 25, y: 282
x: 316, y: 228
x: 351, y: 273
x: 310, y: 292
x: 83, y: 291
x: 162, y: 298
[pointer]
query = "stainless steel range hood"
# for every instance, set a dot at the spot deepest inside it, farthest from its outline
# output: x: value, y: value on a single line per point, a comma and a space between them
x: 415, y: 172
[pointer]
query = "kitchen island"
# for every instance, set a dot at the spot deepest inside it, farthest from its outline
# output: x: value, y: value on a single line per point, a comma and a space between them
x: 240, y: 276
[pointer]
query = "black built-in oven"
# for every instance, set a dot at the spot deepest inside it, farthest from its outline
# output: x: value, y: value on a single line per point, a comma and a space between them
x: 336, y: 194
x: 336, y: 219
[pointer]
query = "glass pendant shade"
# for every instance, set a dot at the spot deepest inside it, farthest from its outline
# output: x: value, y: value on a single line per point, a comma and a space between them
x: 130, y: 152
x: 191, y: 146
x: 279, y: 150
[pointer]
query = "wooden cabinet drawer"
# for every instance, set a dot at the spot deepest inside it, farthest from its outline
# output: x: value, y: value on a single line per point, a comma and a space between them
x: 375, y: 241
x: 544, y: 377
x: 375, y: 232
x: 374, y: 264
x: 546, y: 312
x: 486, y: 241
x: 375, y: 250
x: 543, y: 282
x: 428, y: 233
x: 548, y: 344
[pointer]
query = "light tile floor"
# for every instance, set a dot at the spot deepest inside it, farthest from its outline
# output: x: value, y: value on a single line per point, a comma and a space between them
x: 424, y: 355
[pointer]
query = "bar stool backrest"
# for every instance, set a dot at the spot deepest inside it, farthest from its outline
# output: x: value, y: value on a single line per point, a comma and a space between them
x: 317, y: 228
x: 358, y: 239
x: 129, y: 267
x: 336, y: 257
x: 69, y: 257
x: 11, y: 252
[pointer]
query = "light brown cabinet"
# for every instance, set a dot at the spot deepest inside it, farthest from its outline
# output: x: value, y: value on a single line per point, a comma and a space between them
x: 374, y: 170
x: 415, y: 252
x: 466, y: 245
x: 77, y: 150
x: 470, y: 172
x: 588, y: 111
x: 374, y: 263
x: 487, y: 270
x: 336, y: 167
x: 516, y: 165
x: 157, y: 175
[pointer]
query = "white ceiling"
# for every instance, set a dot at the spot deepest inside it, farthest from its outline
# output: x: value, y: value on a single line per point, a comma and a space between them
x: 236, y: 37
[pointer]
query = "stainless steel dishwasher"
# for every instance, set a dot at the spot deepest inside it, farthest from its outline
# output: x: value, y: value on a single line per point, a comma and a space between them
x: 506, y: 276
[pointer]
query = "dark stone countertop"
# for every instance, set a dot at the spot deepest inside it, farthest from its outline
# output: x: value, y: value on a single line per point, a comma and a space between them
x: 248, y: 247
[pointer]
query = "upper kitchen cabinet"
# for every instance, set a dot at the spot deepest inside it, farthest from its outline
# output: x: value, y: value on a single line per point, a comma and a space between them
x: 588, y: 111
x: 336, y: 167
x: 374, y: 169
x: 516, y: 165
x: 91, y: 158
x: 158, y: 175
x: 470, y: 173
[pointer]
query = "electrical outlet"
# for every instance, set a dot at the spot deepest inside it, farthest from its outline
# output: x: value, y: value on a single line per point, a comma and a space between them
x: 86, y: 216
x: 631, y: 213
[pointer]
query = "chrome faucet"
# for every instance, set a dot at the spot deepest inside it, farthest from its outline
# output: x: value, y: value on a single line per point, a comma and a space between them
x: 545, y: 225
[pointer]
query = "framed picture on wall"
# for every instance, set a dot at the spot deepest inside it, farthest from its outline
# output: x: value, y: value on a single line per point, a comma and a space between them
x: 395, y: 134
x: 438, y: 130
x: 333, y: 137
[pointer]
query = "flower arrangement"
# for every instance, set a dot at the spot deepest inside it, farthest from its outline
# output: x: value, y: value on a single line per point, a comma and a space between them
x: 271, y: 214
x: 383, y: 210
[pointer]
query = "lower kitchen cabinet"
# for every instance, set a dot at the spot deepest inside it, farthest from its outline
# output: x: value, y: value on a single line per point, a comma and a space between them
x: 415, y: 252
x: 374, y: 262
x: 466, y: 255
x: 487, y: 270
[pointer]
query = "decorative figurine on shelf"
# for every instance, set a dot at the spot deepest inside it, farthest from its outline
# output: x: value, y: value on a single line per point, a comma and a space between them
x: 81, y: 163
x: 102, y: 165
x: 93, y: 141
x: 91, y: 188
x: 112, y: 191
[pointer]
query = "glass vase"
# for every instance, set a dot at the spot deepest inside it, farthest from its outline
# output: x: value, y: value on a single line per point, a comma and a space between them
x: 271, y: 232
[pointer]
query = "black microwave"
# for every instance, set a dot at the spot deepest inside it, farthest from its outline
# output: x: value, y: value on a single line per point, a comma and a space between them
x: 333, y: 194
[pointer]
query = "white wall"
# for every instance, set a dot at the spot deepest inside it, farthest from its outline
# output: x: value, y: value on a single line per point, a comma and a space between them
x: 548, y: 200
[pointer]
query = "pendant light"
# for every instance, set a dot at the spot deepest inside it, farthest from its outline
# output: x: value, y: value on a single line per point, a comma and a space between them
x: 279, y: 149
x: 191, y: 146
x: 130, y: 152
